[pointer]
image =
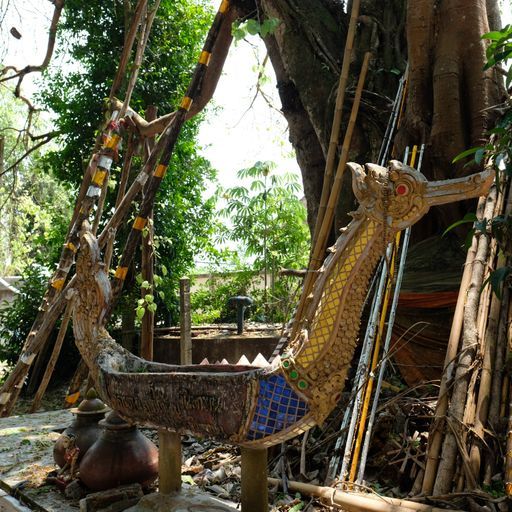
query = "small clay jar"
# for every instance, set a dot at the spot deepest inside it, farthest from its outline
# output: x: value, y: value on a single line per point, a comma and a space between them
x: 84, y: 430
x: 121, y: 455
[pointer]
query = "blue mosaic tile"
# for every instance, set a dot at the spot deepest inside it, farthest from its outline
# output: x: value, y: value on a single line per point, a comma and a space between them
x: 278, y: 408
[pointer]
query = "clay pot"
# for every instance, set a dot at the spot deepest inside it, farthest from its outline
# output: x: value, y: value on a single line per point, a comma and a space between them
x: 84, y: 430
x: 121, y: 455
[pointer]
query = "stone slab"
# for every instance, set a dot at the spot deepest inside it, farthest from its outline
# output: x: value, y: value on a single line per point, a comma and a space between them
x: 188, y: 500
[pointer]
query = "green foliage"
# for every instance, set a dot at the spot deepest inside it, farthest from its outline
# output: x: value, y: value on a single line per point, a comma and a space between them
x: 266, y: 223
x: 16, y: 319
x: 500, y: 49
x: 498, y: 154
x: 94, y: 32
x: 34, y: 206
x: 252, y: 27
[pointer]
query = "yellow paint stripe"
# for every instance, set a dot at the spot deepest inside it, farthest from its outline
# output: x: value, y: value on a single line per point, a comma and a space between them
x: 186, y: 102
x: 121, y: 273
x: 71, y: 246
x: 160, y: 170
x: 224, y: 6
x: 204, y: 58
x: 58, y: 284
x: 112, y: 141
x: 99, y: 177
x: 71, y: 399
x: 139, y: 223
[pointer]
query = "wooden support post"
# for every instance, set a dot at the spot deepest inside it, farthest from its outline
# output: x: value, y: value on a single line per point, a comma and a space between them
x: 169, y: 466
x: 185, y: 322
x: 170, y: 443
x: 254, y: 480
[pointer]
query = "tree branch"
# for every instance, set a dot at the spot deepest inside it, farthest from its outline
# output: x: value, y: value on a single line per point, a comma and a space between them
x: 21, y: 73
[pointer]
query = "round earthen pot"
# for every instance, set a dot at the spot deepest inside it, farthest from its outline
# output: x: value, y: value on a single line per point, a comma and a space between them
x: 121, y: 455
x: 84, y: 430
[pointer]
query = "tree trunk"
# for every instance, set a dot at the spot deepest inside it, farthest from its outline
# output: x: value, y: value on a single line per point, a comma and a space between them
x: 448, y: 93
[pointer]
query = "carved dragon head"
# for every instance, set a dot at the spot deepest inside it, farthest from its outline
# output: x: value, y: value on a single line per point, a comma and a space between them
x: 400, y: 195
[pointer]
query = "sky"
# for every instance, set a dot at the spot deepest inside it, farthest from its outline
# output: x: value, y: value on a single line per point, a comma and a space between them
x: 239, y: 130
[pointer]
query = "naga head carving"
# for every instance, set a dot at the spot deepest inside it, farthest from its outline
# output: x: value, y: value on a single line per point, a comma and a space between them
x: 399, y: 195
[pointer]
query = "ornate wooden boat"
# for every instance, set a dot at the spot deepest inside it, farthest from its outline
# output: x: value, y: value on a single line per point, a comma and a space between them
x: 260, y: 407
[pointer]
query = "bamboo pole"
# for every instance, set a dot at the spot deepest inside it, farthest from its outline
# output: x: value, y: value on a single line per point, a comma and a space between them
x: 375, y: 360
x: 336, y: 123
x: 446, y: 469
x: 494, y: 417
x: 357, y: 502
x: 508, y: 452
x: 437, y: 432
x: 318, y: 250
x: 376, y: 350
x: 53, y: 358
x: 363, y: 363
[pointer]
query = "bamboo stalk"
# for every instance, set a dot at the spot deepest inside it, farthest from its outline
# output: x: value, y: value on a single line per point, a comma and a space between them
x: 319, y: 248
x: 443, y: 482
x: 336, y: 123
x: 53, y: 358
x: 363, y: 363
x: 482, y: 406
x: 437, y: 431
x: 508, y: 454
x: 356, y: 502
x: 497, y: 380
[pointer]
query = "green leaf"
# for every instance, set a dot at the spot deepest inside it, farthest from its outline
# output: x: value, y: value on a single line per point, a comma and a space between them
x: 465, y: 154
x: 149, y: 298
x: 152, y: 307
x: 140, y: 313
x: 497, y: 278
x: 493, y: 35
x: 479, y: 155
x: 468, y: 218
x: 252, y: 27
x: 146, y: 285
x: 187, y: 479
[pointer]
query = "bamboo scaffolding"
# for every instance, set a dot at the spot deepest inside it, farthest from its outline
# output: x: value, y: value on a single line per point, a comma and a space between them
x: 318, y: 249
x: 496, y: 389
x: 451, y: 444
x: 53, y: 358
x: 41, y: 327
x: 489, y: 342
x: 336, y: 123
x: 436, y: 434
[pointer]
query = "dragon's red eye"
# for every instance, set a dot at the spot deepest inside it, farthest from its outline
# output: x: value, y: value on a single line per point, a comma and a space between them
x: 402, y: 189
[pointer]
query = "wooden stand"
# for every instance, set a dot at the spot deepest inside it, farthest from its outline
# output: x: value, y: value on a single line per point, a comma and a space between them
x: 169, y: 471
x: 254, y: 480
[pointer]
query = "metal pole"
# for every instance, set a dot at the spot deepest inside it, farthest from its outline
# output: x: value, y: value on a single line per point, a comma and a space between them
x: 387, y: 342
x: 363, y: 362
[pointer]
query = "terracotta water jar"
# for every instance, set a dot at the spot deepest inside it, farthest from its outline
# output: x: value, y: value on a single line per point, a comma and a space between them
x: 121, y: 455
x: 85, y: 428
